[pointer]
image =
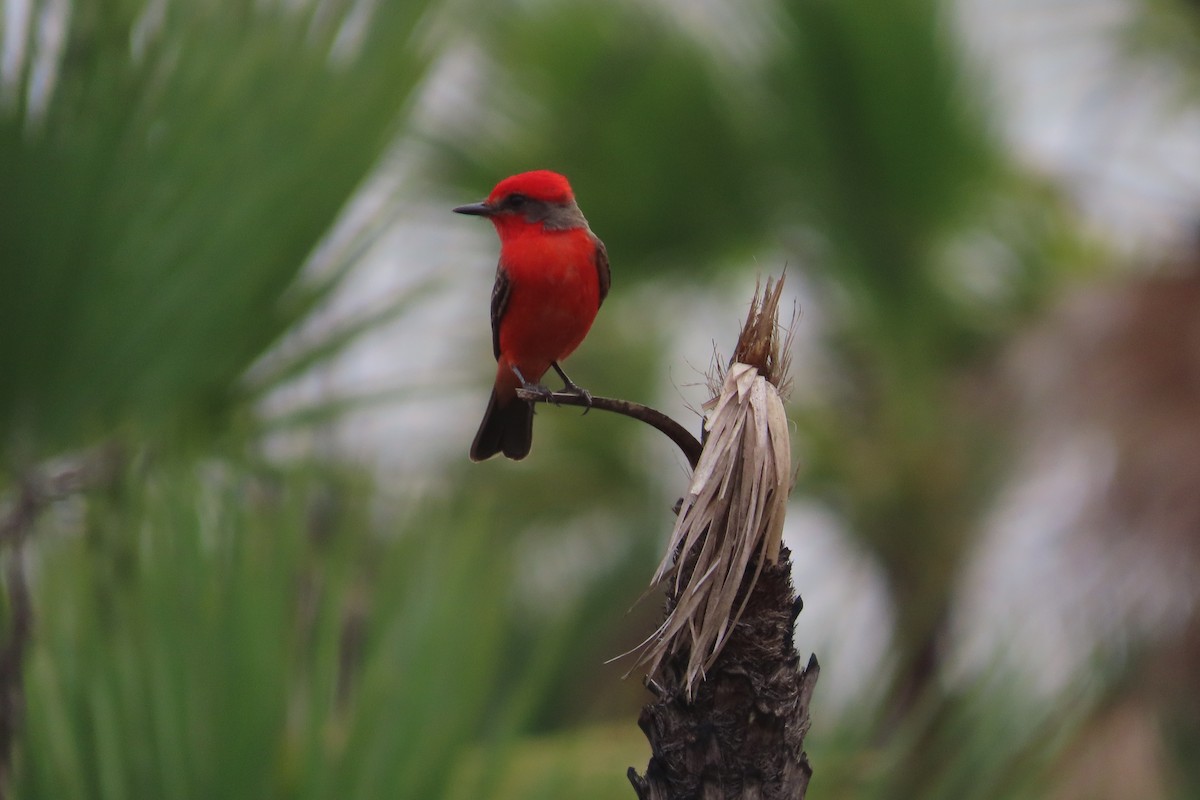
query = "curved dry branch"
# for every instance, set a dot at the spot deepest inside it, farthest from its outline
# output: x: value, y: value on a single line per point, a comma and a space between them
x: 689, y: 444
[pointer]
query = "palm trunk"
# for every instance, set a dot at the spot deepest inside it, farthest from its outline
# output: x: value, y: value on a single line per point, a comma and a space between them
x: 742, y: 736
x: 732, y: 702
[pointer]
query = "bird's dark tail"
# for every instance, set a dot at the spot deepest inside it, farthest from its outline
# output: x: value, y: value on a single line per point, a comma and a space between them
x: 505, y: 429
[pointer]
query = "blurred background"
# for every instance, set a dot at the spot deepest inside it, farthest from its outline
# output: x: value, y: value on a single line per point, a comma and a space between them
x: 227, y: 263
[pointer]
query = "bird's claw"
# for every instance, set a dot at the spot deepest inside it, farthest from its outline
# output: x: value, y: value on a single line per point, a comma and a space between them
x: 547, y: 396
x: 540, y: 390
x: 582, y: 393
x: 570, y: 387
x: 543, y: 393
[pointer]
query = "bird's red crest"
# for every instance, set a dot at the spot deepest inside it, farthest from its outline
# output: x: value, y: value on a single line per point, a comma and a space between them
x: 541, y: 184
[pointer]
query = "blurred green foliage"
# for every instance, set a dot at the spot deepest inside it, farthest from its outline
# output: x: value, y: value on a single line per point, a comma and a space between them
x: 217, y: 631
x: 1167, y: 32
x: 163, y: 195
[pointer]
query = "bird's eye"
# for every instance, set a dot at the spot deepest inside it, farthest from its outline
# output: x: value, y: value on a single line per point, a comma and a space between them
x: 517, y: 200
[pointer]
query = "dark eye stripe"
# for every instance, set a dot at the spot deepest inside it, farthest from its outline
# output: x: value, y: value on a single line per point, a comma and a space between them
x: 516, y: 199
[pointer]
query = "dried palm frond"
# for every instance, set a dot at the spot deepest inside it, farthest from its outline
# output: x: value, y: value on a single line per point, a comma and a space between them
x: 731, y: 521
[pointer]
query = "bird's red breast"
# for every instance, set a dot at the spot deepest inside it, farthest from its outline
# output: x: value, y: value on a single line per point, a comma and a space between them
x: 554, y: 296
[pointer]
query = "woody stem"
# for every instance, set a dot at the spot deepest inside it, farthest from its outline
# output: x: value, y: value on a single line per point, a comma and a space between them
x: 674, y: 431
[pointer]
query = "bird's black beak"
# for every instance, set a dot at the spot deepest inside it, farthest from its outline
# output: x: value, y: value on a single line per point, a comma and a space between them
x: 476, y: 209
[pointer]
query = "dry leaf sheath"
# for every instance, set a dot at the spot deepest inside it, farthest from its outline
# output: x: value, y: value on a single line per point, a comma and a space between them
x: 731, y: 520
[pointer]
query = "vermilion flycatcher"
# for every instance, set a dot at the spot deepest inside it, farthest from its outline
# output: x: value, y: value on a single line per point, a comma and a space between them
x: 552, y: 277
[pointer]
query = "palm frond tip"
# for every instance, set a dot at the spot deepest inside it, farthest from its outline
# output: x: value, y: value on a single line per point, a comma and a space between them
x: 731, y: 521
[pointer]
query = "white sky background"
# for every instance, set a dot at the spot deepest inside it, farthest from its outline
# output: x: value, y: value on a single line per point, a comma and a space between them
x: 1114, y: 132
x: 1111, y: 129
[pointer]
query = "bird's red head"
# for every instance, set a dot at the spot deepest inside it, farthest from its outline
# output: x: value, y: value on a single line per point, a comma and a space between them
x: 531, y: 201
x: 541, y: 184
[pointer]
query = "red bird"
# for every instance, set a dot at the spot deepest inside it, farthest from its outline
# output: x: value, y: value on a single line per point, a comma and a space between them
x: 552, y: 277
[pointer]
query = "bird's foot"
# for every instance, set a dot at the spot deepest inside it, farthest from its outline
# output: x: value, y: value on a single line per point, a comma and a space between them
x: 582, y: 393
x: 541, y: 390
x: 570, y: 387
x: 543, y: 393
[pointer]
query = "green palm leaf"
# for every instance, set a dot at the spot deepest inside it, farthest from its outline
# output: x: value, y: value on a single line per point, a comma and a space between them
x: 163, y: 195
